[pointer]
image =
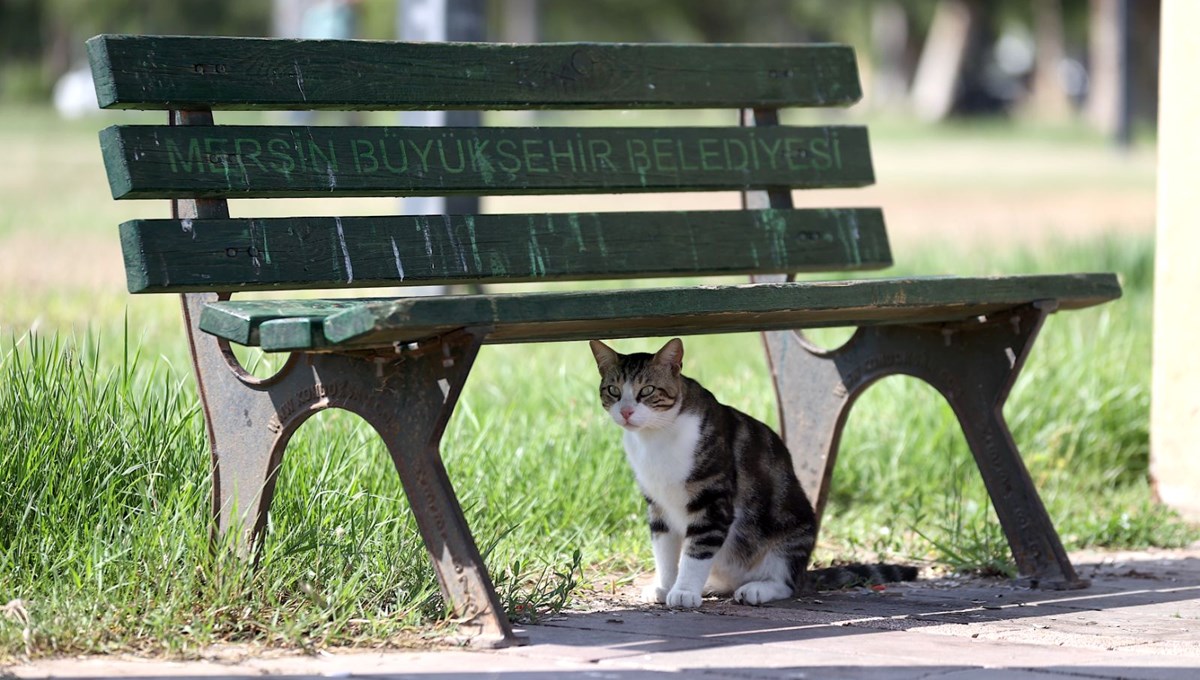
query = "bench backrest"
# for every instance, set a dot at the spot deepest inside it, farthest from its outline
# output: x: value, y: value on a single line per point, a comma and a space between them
x: 760, y: 158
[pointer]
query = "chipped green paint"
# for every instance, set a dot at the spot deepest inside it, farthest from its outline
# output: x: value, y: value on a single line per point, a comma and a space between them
x: 470, y: 222
x: 306, y: 252
x: 842, y: 236
x: 484, y: 165
x: 773, y: 223
x: 536, y: 263
x: 601, y: 244
x: 573, y: 222
x: 854, y: 236
x: 497, y: 267
x: 266, y: 249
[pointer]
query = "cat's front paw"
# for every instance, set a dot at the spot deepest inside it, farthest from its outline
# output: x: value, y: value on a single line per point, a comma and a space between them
x: 685, y: 599
x: 654, y: 594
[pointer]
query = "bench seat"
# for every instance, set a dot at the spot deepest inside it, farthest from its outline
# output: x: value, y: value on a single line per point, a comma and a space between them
x: 548, y: 316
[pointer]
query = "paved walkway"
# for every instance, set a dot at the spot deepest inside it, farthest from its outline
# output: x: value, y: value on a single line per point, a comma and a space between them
x: 1140, y: 619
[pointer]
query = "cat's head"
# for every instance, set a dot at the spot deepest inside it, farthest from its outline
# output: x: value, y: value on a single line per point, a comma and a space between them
x: 640, y: 391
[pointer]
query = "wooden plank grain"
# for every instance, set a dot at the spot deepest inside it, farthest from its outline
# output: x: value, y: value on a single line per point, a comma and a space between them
x: 281, y: 161
x: 179, y: 72
x: 337, y: 252
x: 556, y: 316
x: 709, y: 309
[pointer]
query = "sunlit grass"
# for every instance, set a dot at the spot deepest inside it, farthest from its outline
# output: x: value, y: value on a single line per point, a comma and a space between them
x: 104, y: 485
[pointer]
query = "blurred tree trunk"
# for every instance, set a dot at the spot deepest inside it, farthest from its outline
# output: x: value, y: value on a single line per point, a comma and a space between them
x: 58, y: 50
x: 1145, y: 38
x: 1104, y: 55
x: 286, y: 16
x: 1048, y: 99
x: 944, y: 58
x: 519, y: 21
x: 1110, y: 81
x: 890, y: 55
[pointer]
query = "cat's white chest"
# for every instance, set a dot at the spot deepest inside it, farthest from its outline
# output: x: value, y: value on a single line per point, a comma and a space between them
x: 661, y: 462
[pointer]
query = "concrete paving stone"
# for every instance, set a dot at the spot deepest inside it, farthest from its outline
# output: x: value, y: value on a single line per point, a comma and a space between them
x: 1097, y: 596
x: 1070, y: 673
x: 1112, y: 669
x: 465, y: 664
x: 669, y: 624
x: 1138, y: 594
x: 758, y: 661
x: 590, y: 644
x: 1062, y: 639
x: 925, y: 611
x: 1003, y: 674
x: 1091, y: 630
x: 920, y: 648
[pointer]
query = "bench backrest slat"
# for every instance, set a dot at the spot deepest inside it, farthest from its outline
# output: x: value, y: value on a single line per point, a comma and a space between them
x: 329, y: 252
x: 276, y: 161
x: 175, y: 72
x: 204, y: 161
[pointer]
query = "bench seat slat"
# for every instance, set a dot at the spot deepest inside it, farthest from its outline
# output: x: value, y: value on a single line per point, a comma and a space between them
x: 334, y: 252
x: 552, y: 316
x: 247, y: 161
x: 161, y: 72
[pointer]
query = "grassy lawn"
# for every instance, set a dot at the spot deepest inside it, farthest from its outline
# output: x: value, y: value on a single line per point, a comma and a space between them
x: 104, y: 473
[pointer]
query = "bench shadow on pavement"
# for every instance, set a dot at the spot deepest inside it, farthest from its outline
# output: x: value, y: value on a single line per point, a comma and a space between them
x: 986, y: 629
x: 1134, y: 588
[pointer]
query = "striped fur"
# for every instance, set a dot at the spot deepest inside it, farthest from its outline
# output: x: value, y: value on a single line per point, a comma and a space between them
x: 726, y: 512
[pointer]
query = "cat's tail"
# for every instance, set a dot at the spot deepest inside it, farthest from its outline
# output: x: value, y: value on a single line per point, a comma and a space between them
x: 853, y: 575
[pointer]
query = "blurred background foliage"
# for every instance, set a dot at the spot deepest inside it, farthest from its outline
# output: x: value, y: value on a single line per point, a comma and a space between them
x: 1056, y: 60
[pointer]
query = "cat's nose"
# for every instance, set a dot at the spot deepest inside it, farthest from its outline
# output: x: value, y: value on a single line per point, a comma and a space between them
x: 626, y: 412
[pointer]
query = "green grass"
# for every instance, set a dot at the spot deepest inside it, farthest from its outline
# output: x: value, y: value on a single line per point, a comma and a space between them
x: 104, y: 485
x: 104, y: 468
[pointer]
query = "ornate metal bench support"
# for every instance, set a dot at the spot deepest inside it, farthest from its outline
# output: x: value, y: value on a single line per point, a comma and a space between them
x: 973, y: 364
x: 406, y: 396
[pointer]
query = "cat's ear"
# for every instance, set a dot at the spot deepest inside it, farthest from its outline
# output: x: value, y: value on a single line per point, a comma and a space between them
x: 672, y: 355
x: 606, y: 357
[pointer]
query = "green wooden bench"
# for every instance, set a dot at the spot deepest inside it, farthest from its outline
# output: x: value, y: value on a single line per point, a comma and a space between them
x: 401, y: 362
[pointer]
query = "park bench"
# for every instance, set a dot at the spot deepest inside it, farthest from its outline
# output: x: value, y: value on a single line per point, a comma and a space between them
x: 400, y: 362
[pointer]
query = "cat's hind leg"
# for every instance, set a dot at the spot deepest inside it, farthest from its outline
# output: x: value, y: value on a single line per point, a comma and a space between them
x: 758, y: 592
x: 770, y: 580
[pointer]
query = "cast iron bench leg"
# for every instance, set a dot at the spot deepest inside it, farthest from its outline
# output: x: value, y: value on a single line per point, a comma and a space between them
x: 974, y: 365
x: 407, y: 396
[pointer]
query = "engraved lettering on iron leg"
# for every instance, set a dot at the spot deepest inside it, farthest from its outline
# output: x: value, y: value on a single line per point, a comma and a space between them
x: 285, y: 411
x: 1023, y: 522
x: 447, y: 558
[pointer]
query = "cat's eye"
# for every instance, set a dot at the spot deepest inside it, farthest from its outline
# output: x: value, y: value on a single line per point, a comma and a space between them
x: 645, y: 391
x: 613, y: 391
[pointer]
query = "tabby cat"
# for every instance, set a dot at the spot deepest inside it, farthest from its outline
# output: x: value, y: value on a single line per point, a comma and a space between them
x: 727, y: 514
